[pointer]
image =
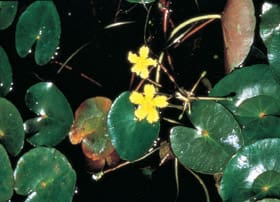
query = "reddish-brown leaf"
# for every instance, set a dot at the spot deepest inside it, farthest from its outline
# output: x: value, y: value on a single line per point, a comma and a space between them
x: 238, y: 24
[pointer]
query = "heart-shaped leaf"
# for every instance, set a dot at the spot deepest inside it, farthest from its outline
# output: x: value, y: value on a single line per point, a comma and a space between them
x: 269, y: 21
x: 55, y: 114
x: 89, y: 117
x: 269, y: 31
x: 8, y: 11
x: 11, y: 127
x: 253, y: 171
x: 269, y: 200
x: 208, y: 147
x: 246, y: 83
x: 6, y: 79
x: 39, y: 24
x: 257, y: 108
x: 6, y: 175
x: 44, y: 174
x: 267, y: 127
x: 238, y: 24
x: 130, y: 137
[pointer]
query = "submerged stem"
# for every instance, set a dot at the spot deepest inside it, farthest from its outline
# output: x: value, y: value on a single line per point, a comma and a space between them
x: 193, y: 20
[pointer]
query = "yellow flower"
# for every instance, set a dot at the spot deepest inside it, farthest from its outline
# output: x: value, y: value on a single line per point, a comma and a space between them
x: 142, y: 62
x: 147, y: 103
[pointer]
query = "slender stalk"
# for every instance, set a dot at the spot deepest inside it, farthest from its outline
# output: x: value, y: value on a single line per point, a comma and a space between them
x: 99, y: 175
x: 72, y: 56
x: 193, y: 20
x: 201, y: 183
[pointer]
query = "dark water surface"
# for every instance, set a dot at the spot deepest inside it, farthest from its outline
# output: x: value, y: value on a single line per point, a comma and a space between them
x: 104, y: 59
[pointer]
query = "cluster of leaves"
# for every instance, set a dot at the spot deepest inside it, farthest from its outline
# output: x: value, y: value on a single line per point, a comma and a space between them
x: 236, y: 137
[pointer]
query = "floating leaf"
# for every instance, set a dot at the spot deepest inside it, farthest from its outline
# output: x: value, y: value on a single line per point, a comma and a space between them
x: 267, y: 127
x: 140, y: 1
x: 208, y: 147
x: 11, y: 127
x: 6, y: 79
x: 274, y: 54
x: 257, y: 108
x: 55, y: 114
x: 99, y: 149
x: 44, y: 174
x: 8, y: 11
x: 130, y: 137
x: 6, y: 175
x: 269, y: 21
x: 269, y: 200
x: 39, y: 24
x: 269, y: 31
x: 238, y: 24
x: 252, y: 172
x: 246, y: 83
x: 89, y: 117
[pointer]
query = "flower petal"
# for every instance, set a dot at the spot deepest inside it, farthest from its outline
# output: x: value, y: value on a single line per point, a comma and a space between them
x: 160, y: 101
x: 152, y: 116
x: 132, y: 58
x: 137, y: 69
x: 136, y: 98
x: 149, y: 91
x: 140, y: 113
x: 144, y: 52
x: 144, y: 73
x: 151, y: 62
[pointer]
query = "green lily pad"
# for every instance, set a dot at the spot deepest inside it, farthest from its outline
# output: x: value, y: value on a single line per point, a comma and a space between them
x: 274, y: 55
x: 208, y: 147
x: 252, y: 172
x: 238, y: 24
x: 246, y: 83
x: 55, y: 114
x: 11, y: 127
x: 141, y: 1
x: 130, y: 137
x: 267, y: 127
x: 8, y: 11
x: 6, y: 175
x: 89, y: 117
x: 269, y: 21
x: 44, y: 174
x: 6, y: 79
x: 40, y: 24
x: 269, y: 31
x: 257, y: 108
x: 269, y: 200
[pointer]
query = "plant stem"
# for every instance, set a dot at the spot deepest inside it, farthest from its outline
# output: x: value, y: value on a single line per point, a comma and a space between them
x: 192, y: 20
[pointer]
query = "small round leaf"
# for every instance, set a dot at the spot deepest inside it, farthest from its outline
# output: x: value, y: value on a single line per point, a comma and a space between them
x: 130, y: 137
x: 40, y: 24
x: 8, y: 11
x: 11, y: 127
x: 55, y: 114
x: 208, y: 147
x: 253, y: 171
x: 44, y: 174
x: 246, y: 83
x: 267, y: 127
x: 6, y: 175
x: 257, y: 108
